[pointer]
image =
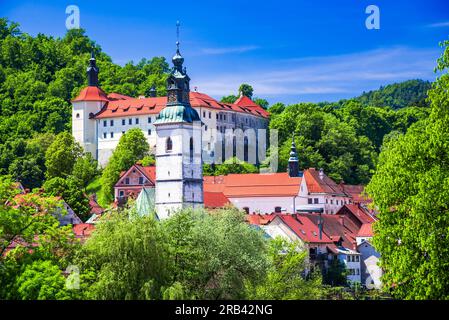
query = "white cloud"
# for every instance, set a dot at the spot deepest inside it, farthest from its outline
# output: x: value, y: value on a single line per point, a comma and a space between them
x: 439, y: 25
x: 215, y: 51
x: 349, y: 74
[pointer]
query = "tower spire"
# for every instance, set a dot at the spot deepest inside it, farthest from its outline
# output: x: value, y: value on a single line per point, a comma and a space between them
x: 293, y: 168
x: 92, y: 71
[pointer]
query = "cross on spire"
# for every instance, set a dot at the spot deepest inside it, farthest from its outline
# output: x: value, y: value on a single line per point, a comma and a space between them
x: 177, y: 34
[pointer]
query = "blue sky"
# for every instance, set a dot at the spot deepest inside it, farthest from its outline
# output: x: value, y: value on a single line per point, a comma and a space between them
x: 289, y: 51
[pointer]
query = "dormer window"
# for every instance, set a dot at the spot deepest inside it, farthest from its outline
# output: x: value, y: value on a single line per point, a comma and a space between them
x: 168, y: 145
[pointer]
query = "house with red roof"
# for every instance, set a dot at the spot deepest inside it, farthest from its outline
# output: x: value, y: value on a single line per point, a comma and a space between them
x: 132, y: 181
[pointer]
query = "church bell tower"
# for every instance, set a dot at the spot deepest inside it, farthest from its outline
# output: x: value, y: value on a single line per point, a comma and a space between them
x: 179, y: 169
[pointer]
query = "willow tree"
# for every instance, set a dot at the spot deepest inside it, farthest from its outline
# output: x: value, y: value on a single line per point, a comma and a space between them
x: 411, y: 192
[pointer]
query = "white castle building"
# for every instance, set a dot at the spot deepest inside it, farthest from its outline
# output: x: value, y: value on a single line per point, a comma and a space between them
x: 100, y: 119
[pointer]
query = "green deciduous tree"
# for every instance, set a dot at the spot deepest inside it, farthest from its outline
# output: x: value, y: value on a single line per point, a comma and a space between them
x: 287, y: 277
x: 410, y: 191
x: 246, y: 90
x: 71, y: 192
x: 61, y: 156
x: 85, y: 170
x: 133, y: 146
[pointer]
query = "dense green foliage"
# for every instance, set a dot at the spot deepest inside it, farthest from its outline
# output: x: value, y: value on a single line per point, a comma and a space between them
x: 36, y: 273
x: 231, y: 165
x: 286, y: 278
x: 343, y: 140
x: 191, y: 255
x: 410, y: 191
x: 411, y: 93
x: 38, y: 78
x: 132, y: 146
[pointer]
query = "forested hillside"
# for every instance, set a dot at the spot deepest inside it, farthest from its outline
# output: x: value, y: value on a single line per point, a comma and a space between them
x: 38, y: 78
x: 398, y: 95
x: 343, y: 138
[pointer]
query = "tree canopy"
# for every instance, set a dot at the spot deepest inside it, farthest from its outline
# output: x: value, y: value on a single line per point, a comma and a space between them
x: 410, y: 191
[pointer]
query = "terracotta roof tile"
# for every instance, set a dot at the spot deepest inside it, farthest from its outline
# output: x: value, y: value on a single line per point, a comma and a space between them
x: 120, y: 105
x: 254, y: 185
x: 215, y: 199
x: 91, y: 94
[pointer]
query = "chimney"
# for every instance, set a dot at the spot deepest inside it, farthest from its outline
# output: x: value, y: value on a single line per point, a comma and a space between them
x: 321, y: 173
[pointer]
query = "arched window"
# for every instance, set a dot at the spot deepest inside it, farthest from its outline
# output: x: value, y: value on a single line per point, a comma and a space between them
x: 168, y: 145
x: 191, y: 149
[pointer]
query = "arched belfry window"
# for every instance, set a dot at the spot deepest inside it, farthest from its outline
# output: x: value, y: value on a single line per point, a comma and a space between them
x: 191, y: 149
x: 168, y: 145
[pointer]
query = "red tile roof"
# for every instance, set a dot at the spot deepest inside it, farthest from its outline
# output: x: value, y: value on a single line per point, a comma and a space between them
x: 357, y: 211
x: 83, y: 230
x: 317, y: 185
x: 118, y: 96
x: 95, y: 208
x: 366, y: 230
x: 215, y: 199
x: 244, y: 101
x: 304, y: 228
x: 148, y: 171
x: 254, y: 185
x: 259, y: 219
x: 356, y: 193
x: 337, y: 227
x: 91, y: 94
x: 120, y: 105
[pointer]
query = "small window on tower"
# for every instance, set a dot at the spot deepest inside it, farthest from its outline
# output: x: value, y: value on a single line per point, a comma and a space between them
x: 77, y: 115
x: 149, y: 132
x: 168, y: 145
x: 112, y: 134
